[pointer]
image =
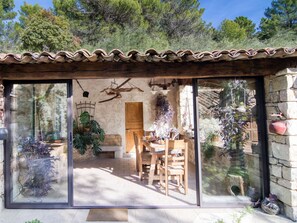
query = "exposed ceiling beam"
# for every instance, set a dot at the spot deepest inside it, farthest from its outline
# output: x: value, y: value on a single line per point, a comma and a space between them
x: 89, y: 70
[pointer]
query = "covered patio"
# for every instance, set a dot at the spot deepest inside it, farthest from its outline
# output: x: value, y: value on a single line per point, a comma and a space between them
x: 254, y: 83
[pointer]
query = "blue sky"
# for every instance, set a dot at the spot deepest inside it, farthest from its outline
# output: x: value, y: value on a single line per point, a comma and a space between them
x: 215, y: 10
x: 43, y: 3
x: 218, y: 10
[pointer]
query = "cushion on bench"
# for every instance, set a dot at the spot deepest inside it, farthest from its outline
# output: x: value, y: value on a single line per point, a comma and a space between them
x: 112, y: 143
x: 112, y: 140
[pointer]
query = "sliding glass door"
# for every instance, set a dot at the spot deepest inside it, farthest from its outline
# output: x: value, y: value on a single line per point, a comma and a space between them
x: 37, y: 171
x: 230, y: 147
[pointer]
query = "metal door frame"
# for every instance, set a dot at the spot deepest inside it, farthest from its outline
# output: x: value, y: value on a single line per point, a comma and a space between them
x: 7, y: 149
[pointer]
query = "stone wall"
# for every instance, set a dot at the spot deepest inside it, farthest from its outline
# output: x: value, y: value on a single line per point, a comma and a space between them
x: 280, y: 97
x: 111, y: 114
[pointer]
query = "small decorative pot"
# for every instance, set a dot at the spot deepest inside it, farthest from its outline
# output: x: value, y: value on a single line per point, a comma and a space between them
x: 270, y: 207
x: 278, y: 127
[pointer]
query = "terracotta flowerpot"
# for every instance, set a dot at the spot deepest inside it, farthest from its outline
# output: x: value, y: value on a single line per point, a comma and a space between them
x: 278, y: 127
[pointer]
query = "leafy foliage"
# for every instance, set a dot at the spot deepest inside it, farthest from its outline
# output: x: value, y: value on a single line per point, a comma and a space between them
x: 231, y: 30
x: 139, y: 24
x: 106, y: 21
x: 282, y: 15
x: 87, y: 133
x: 6, y: 7
x: 151, y: 11
x: 128, y: 38
x: 7, y: 34
x: 208, y: 148
x: 34, y: 221
x: 39, y: 167
x: 246, y: 24
x: 234, y: 113
x: 27, y: 11
x: 182, y: 17
x: 47, y: 32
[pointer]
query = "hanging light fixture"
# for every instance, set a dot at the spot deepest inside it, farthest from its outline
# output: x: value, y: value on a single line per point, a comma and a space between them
x: 85, y: 93
x: 153, y: 87
x: 163, y: 87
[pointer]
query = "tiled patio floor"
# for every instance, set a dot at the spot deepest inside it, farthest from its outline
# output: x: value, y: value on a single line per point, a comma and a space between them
x: 196, y: 215
x: 109, y: 182
x: 114, y: 182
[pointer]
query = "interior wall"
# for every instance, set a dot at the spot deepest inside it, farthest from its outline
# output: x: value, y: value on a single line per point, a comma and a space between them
x: 111, y: 114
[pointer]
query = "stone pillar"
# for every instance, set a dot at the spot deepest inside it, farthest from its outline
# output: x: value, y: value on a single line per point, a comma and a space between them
x: 282, y: 98
x: 1, y: 148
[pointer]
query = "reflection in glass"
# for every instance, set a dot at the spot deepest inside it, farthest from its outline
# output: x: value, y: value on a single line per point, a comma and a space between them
x: 39, y: 143
x: 228, y: 140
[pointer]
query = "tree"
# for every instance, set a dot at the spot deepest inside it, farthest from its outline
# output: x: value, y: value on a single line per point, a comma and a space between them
x: 182, y: 18
x: 282, y: 15
x: 92, y: 19
x: 46, y: 32
x: 231, y: 30
x: 103, y: 20
x: 7, y: 40
x: 152, y: 12
x: 6, y: 7
x: 71, y: 10
x: 27, y: 11
x: 67, y: 8
x: 246, y: 24
x: 269, y: 28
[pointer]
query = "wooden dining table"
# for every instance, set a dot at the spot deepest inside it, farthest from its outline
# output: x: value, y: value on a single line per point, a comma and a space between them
x: 156, y: 150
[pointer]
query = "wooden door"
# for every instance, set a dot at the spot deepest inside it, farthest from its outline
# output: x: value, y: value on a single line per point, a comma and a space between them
x: 134, y: 123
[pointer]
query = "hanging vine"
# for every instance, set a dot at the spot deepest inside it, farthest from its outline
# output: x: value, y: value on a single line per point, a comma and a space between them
x: 234, y: 112
x: 164, y: 116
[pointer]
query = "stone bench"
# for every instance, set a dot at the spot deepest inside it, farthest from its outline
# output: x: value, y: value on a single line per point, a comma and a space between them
x: 113, y: 143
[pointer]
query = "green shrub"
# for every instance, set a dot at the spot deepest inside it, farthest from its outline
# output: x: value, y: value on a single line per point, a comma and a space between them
x: 33, y: 221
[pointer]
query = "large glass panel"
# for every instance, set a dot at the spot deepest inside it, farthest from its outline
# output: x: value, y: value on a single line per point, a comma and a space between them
x: 39, y: 143
x: 112, y: 177
x: 229, y: 146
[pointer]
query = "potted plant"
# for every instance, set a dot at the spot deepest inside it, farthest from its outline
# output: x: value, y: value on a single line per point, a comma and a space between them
x: 36, y: 167
x: 208, y: 147
x: 87, y: 134
x: 278, y: 126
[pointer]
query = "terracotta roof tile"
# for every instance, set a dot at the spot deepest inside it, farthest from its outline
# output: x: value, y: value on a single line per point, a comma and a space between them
x: 150, y: 55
